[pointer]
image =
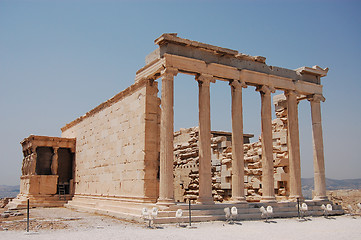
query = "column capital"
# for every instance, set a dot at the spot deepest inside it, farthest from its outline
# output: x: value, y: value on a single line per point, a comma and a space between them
x: 168, y: 73
x: 265, y: 89
x: 291, y: 92
x: 205, y: 79
x: 316, y: 98
x: 237, y: 85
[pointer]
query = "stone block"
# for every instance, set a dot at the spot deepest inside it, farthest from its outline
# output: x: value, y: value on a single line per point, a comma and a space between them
x: 283, y: 140
x: 259, y: 151
x: 284, y: 148
x: 225, y: 144
x: 281, y: 162
x: 256, y: 183
x: 245, y: 179
x: 226, y: 161
x: 216, y: 162
x: 218, y: 179
x: 226, y: 173
x: 281, y: 177
x: 226, y: 185
x: 275, y: 135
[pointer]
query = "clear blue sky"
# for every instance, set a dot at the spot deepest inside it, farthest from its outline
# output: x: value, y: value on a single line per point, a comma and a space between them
x: 59, y: 59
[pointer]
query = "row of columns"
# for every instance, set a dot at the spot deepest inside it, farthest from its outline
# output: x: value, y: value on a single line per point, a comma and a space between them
x: 166, y: 195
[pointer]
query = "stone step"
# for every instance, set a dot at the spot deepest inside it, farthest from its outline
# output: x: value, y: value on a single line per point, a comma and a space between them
x: 20, y: 202
x: 80, y: 204
x: 250, y: 216
x: 245, y: 214
x: 110, y: 211
x: 211, y: 212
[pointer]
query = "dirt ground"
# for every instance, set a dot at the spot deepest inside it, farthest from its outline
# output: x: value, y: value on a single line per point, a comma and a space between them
x: 53, y: 219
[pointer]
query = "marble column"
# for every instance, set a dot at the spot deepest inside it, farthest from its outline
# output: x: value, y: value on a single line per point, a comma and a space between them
x: 318, y: 155
x: 166, y: 192
x: 293, y: 146
x: 237, y: 143
x: 268, y: 193
x: 205, y: 174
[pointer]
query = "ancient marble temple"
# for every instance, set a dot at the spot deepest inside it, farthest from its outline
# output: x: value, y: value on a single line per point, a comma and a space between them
x: 120, y: 156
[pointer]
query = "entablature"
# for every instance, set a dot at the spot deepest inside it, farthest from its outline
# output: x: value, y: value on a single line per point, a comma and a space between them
x: 34, y: 141
x: 191, y: 57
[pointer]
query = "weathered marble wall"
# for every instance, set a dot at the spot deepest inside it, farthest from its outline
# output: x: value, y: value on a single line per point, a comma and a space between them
x: 116, y: 145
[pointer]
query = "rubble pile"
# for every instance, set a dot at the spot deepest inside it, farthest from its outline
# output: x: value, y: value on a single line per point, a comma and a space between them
x: 253, y: 156
x: 186, y: 165
x: 346, y: 197
x: 186, y: 162
x: 4, y: 202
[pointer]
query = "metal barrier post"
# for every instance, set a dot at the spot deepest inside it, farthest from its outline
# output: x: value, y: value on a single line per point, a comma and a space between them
x: 298, y: 208
x: 190, y: 214
x: 27, y: 218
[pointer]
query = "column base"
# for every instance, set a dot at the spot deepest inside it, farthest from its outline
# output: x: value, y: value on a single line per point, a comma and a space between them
x: 165, y: 202
x: 205, y: 201
x: 320, y: 198
x: 238, y: 200
x: 294, y: 198
x: 268, y: 199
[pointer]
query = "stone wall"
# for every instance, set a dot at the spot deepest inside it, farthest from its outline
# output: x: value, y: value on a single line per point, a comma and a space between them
x: 117, y: 145
x: 38, y: 184
x: 186, y: 162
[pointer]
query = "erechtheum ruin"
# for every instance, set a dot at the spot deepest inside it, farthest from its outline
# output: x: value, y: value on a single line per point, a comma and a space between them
x: 123, y: 155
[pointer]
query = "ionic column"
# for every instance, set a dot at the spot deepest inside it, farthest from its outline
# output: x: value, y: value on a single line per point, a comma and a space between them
x: 54, y: 162
x: 318, y: 156
x: 268, y: 193
x: 205, y: 171
x: 293, y: 146
x: 166, y: 195
x: 237, y: 143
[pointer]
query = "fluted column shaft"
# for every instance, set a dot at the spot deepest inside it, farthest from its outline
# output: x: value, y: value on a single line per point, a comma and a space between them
x: 205, y: 174
x: 268, y: 193
x: 293, y: 146
x: 166, y: 192
x: 237, y: 143
x: 318, y: 155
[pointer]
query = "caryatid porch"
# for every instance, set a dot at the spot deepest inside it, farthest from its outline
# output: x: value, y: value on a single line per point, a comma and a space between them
x: 210, y: 63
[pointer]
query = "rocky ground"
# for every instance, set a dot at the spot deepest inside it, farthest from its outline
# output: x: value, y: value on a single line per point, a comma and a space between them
x: 346, y: 198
